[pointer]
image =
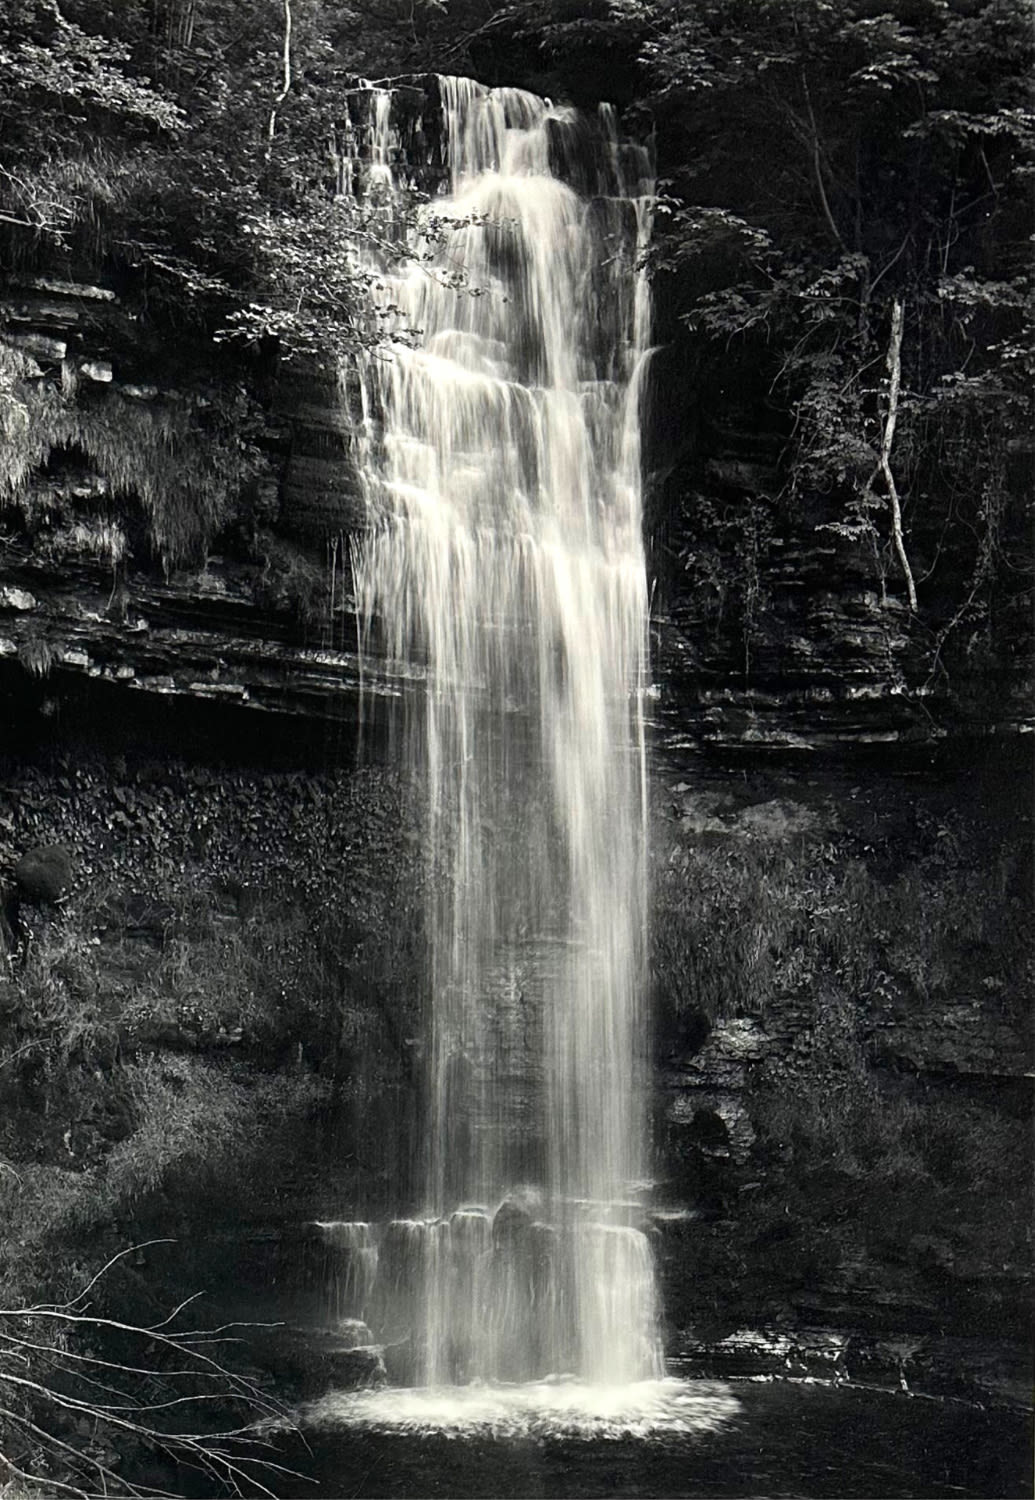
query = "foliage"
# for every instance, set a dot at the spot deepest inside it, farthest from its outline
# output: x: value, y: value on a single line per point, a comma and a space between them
x: 290, y: 579
x: 312, y: 290
x: 872, y: 941
x: 87, y: 1025
x: 802, y: 223
x: 822, y: 165
x: 152, y: 144
x: 790, y: 228
x: 48, y: 59
x: 261, y: 920
x: 148, y: 1021
x: 234, y: 947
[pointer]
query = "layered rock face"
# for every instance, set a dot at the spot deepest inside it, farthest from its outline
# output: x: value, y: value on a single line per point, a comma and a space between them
x: 113, y: 426
x: 85, y: 592
x: 770, y: 632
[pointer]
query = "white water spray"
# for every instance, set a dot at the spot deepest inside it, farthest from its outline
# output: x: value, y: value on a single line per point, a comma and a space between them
x: 501, y: 464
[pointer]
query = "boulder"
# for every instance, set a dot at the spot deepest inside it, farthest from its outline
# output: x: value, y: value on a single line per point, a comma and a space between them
x: 44, y: 873
x: 18, y: 599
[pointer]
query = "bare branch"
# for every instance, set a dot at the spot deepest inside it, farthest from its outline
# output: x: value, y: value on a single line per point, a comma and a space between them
x: 129, y: 1250
x: 888, y: 265
x: 34, y: 1372
x: 54, y: 1484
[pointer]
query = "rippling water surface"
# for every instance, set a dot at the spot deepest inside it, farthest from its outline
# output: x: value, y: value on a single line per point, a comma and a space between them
x: 659, y: 1438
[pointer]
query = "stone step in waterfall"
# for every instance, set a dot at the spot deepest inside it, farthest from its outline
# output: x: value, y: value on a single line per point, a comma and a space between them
x: 512, y: 1290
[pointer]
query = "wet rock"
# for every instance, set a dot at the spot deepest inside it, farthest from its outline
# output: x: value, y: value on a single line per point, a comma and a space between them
x: 96, y: 369
x: 703, y: 813
x: 314, y: 1360
x: 39, y: 344
x: 733, y: 1044
x: 80, y: 290
x: 818, y: 1352
x: 42, y: 311
x: 44, y: 874
x: 922, y: 1364
x: 712, y: 1085
x: 961, y: 1039
x: 17, y: 599
x: 363, y: 1366
x: 713, y: 815
x: 354, y: 1333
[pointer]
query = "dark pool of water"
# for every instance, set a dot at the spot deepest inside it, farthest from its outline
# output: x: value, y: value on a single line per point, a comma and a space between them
x: 773, y: 1440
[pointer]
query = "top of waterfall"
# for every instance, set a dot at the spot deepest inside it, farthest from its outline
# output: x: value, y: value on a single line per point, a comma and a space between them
x: 457, y: 127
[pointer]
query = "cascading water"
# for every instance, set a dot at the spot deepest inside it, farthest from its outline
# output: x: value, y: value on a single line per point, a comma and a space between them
x: 504, y: 556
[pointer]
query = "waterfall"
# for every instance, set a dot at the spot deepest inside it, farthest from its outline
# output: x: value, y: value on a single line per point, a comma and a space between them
x: 500, y: 458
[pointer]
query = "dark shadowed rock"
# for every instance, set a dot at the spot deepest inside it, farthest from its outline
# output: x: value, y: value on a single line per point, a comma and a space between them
x: 311, y: 1360
x: 709, y: 1129
x: 44, y: 873
x: 358, y: 1367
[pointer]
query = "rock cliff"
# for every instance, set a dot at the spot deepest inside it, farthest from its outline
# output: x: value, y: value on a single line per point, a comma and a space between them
x: 176, y: 522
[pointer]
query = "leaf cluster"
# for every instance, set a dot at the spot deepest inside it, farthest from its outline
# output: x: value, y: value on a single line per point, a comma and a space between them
x: 151, y: 146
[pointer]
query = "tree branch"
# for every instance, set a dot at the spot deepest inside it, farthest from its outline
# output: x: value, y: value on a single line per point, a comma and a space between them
x: 46, y: 1373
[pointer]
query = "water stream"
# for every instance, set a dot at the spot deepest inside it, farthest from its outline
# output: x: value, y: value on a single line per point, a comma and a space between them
x: 500, y: 460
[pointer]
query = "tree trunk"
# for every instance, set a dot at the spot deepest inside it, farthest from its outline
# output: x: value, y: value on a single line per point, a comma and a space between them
x: 286, y: 84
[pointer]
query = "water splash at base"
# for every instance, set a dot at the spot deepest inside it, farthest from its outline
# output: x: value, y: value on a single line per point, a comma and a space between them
x: 541, y: 1409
